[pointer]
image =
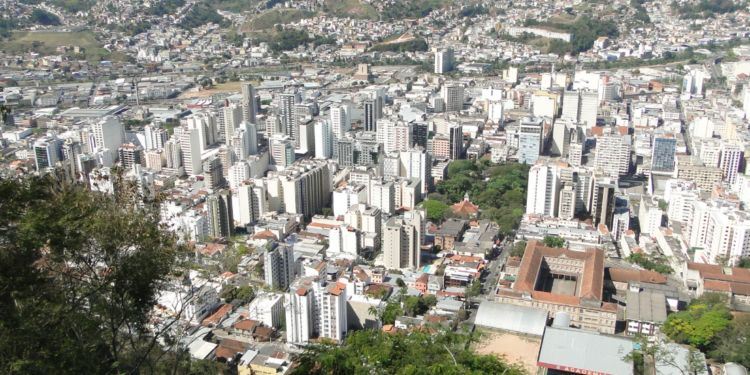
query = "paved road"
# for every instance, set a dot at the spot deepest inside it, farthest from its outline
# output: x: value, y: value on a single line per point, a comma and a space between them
x: 494, y: 269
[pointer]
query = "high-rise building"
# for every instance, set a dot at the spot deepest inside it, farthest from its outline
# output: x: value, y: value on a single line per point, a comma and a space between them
x: 401, y: 241
x: 46, y: 152
x: 315, y: 308
x: 731, y: 159
x: 383, y: 195
x: 232, y: 116
x: 605, y: 206
x: 248, y: 102
x: 282, y: 151
x: 530, y: 140
x: 567, y: 202
x: 589, y: 108
x: 571, y: 105
x: 129, y: 155
x: 323, y: 140
x: 155, y: 137
x: 613, y: 154
x: 453, y: 94
x: 251, y: 201
x: 205, y: 127
x: 371, y: 119
x: 306, y: 143
x: 662, y: 154
x: 543, y: 190
x: 154, y: 159
x: 191, y: 151
x: 305, y: 187
x: 287, y: 115
x: 213, y: 174
x: 341, y: 120
x: 219, y: 214
x: 456, y: 138
x: 173, y: 154
x: 443, y: 60
x: 278, y: 262
x: 109, y: 133
x: 416, y: 163
x: 420, y: 134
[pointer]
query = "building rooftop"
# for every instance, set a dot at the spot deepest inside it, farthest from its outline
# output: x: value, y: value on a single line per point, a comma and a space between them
x: 579, y: 351
x: 514, y: 318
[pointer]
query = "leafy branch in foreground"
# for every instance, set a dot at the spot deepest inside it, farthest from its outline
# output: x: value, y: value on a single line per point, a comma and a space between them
x: 79, y: 275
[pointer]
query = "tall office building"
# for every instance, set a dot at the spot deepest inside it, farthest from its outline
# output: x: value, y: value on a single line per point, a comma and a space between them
x: 306, y: 143
x: 371, y: 118
x: 394, y: 135
x: 530, y: 140
x: 205, y: 128
x: 219, y: 214
x: 420, y: 134
x: 567, y: 202
x: 279, y: 266
x: 401, y: 241
x: 416, y: 163
x: 543, y: 190
x: 605, y: 206
x: 323, y: 140
x: 155, y: 137
x: 571, y: 107
x: 662, y: 154
x: 252, y: 137
x: 613, y: 154
x: 241, y: 143
x: 213, y: 174
x: 730, y: 161
x: 287, y: 115
x: 173, y: 154
x: 443, y: 60
x: 153, y: 159
x: 129, y: 155
x: 282, y: 151
x: 589, y: 108
x: 191, y: 151
x: 456, y: 136
x: 315, y: 308
x: 305, y: 187
x: 109, y: 133
x: 248, y: 102
x: 46, y: 152
x: 453, y: 94
x: 232, y: 117
x: 251, y: 202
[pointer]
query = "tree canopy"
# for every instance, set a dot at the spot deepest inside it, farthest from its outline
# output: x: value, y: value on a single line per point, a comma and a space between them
x: 80, y: 272
x: 378, y: 352
x: 555, y: 242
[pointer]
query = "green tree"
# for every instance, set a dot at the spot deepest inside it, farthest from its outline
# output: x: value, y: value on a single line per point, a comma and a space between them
x: 555, y: 242
x: 400, y: 283
x: 435, y: 210
x: 81, y: 272
x: 518, y: 249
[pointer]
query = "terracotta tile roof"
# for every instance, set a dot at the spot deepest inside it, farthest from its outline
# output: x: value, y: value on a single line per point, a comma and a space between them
x: 239, y: 346
x: 424, y: 278
x: 464, y: 208
x: 555, y: 298
x: 301, y: 291
x: 215, y: 317
x: 609, y: 306
x: 246, y: 324
x: 743, y: 289
x: 211, y: 248
x: 716, y: 285
x: 264, y: 235
x: 340, y: 285
x: 623, y: 276
x: 592, y: 279
x: 509, y: 293
x: 435, y: 319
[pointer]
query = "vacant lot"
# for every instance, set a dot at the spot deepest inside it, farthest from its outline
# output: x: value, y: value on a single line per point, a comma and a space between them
x: 83, y: 39
x: 515, y: 349
x: 351, y: 8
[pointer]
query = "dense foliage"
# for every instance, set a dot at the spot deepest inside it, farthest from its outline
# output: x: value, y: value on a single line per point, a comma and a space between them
x: 41, y: 17
x: 708, y: 325
x: 501, y: 199
x: 554, y: 242
x: 199, y: 15
x: 650, y: 263
x: 585, y: 32
x: 80, y: 272
x: 165, y: 7
x: 417, y: 44
x: 707, y: 9
x: 418, y: 352
x: 70, y: 6
x: 472, y: 11
x: 409, y: 9
x: 435, y: 210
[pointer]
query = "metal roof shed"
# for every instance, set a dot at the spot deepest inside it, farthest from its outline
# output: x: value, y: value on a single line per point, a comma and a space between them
x: 512, y: 318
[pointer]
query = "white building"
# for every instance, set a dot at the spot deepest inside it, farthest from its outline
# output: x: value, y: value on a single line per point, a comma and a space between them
x: 543, y: 190
x: 279, y: 266
x: 267, y: 308
x: 401, y: 241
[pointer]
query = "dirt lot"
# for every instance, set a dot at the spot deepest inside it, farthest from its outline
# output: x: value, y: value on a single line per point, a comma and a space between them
x: 519, y: 350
